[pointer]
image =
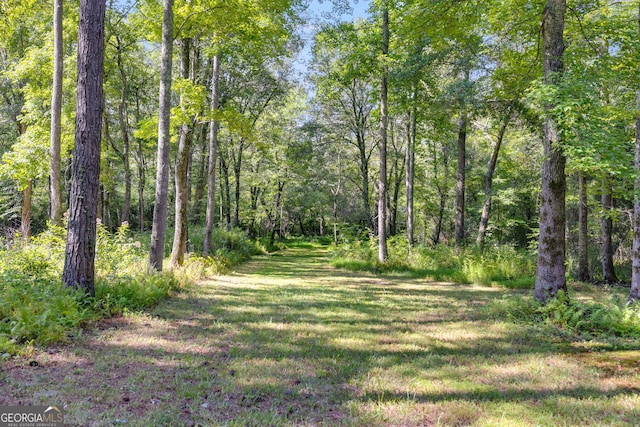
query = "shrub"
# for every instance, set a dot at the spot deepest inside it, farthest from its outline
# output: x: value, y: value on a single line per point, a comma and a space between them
x: 613, y: 318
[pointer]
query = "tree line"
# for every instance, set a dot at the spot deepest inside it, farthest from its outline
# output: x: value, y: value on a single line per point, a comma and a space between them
x: 489, y: 123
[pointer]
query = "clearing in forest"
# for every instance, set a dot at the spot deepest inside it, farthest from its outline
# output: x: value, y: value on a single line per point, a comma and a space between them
x: 289, y: 340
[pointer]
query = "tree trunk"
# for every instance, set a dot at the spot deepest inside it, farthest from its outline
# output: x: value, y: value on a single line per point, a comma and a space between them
x: 382, y: 196
x: 226, y: 193
x: 550, y: 273
x: 79, y: 262
x: 634, y: 294
x: 124, y: 131
x: 488, y: 183
x: 182, y: 171
x: 460, y: 181
x: 55, y: 174
x: 237, y: 168
x: 583, y: 236
x: 410, y: 173
x: 159, y: 227
x: 608, y: 270
x: 213, y: 152
x: 27, y: 198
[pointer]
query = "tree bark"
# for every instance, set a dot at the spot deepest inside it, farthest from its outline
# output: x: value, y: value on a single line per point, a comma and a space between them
x: 55, y: 174
x: 237, y: 168
x: 488, y: 183
x: 181, y: 221
x: 608, y: 270
x: 550, y: 272
x: 634, y: 294
x: 27, y: 199
x: 460, y: 181
x: 382, y: 187
x: 159, y: 226
x: 79, y: 263
x: 213, y: 152
x: 124, y: 131
x: 583, y: 235
x: 410, y: 173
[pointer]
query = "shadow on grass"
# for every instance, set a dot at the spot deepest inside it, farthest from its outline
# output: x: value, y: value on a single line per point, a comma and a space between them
x: 287, y: 340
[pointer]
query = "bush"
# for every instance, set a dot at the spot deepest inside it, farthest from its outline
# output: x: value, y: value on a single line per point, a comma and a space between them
x: 613, y: 318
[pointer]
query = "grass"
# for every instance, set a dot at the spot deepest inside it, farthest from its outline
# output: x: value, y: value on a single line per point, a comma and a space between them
x: 288, y: 340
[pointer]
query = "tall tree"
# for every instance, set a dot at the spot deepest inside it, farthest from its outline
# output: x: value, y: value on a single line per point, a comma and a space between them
x: 550, y: 273
x: 79, y: 260
x: 213, y: 151
x: 182, y: 165
x: 384, y: 121
x: 606, y: 225
x: 583, y: 228
x: 634, y: 295
x: 55, y: 179
x: 159, y: 227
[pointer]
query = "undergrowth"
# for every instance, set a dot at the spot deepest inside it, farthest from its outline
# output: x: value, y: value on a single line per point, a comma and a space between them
x: 36, y: 309
x: 500, y: 265
x: 613, y: 317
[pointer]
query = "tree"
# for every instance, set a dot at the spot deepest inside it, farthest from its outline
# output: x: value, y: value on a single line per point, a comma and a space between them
x: 55, y: 179
x: 159, y: 227
x: 550, y: 273
x: 382, y: 149
x: 634, y: 294
x: 213, y: 151
x: 79, y: 260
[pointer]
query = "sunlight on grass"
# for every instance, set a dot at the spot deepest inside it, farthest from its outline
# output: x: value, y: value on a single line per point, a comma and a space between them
x: 288, y: 340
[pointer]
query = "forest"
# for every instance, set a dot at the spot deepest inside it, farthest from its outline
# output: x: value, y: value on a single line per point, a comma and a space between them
x: 149, y: 146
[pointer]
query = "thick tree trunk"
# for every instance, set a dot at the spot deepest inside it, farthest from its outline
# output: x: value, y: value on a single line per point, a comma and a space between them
x: 27, y: 199
x: 460, y: 181
x: 488, y: 183
x: 159, y: 227
x: 382, y: 187
x: 583, y: 236
x: 181, y: 222
x: 550, y: 273
x: 608, y: 270
x: 213, y: 153
x: 79, y: 263
x: 410, y: 173
x: 55, y: 174
x: 634, y: 294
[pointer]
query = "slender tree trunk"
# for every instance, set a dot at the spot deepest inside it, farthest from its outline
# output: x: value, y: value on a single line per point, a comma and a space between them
x: 364, y: 178
x: 550, y: 273
x: 438, y: 229
x: 124, y: 131
x: 213, y: 152
x: 159, y: 227
x: 224, y: 169
x: 488, y: 183
x: 27, y: 199
x: 608, y: 270
x: 410, y: 173
x: 55, y: 174
x: 182, y: 171
x: 583, y: 236
x: 237, y: 168
x: 634, y: 294
x: 460, y: 181
x: 79, y: 262
x: 382, y: 197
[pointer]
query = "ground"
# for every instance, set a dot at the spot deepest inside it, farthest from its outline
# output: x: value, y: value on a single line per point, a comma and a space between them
x: 289, y: 340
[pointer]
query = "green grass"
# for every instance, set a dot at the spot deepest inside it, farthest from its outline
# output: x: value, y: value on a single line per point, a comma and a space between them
x: 287, y: 340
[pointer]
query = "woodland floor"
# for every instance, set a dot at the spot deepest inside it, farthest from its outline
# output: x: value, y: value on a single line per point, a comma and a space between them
x: 289, y: 340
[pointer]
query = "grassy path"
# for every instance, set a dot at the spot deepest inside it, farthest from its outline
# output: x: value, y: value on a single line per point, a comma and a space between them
x: 288, y: 340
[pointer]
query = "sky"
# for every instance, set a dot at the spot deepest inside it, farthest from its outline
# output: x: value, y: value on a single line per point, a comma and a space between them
x: 321, y: 11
